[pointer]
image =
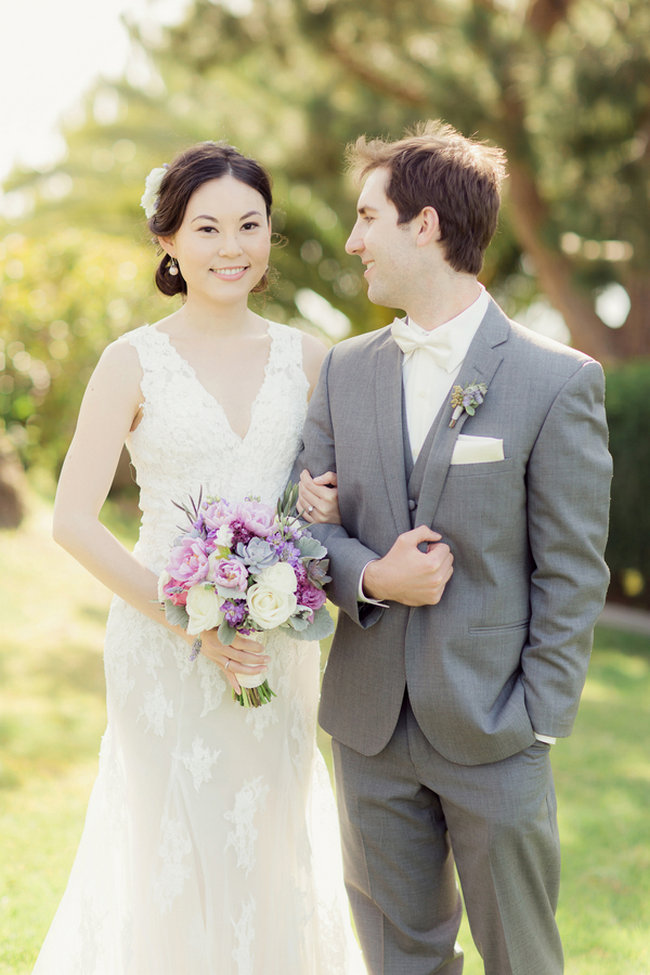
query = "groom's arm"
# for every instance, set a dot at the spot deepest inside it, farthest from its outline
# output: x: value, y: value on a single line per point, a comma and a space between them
x: 404, y: 574
x: 568, y: 482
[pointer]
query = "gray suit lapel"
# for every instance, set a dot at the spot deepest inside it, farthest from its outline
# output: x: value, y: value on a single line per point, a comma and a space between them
x: 388, y: 394
x: 480, y: 365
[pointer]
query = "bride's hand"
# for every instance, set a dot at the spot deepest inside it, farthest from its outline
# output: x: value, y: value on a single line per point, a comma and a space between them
x: 318, y: 498
x: 242, y: 656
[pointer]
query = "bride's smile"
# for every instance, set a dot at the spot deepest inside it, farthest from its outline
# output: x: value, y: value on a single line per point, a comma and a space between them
x: 224, y: 238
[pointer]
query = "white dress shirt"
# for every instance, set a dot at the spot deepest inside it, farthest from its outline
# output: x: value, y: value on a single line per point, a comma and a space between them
x: 426, y: 383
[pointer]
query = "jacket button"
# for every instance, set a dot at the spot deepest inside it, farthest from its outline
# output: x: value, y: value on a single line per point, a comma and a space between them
x: 412, y: 504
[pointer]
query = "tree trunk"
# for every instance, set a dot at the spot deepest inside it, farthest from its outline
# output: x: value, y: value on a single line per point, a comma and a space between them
x: 554, y: 270
x: 13, y: 486
x: 633, y: 339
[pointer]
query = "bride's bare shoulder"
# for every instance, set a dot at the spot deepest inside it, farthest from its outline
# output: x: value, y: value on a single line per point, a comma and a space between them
x: 119, y: 364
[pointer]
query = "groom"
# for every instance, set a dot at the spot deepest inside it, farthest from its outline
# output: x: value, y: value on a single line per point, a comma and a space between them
x: 468, y: 569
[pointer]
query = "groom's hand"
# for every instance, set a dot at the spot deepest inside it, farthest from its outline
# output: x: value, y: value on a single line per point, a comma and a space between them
x: 408, y: 575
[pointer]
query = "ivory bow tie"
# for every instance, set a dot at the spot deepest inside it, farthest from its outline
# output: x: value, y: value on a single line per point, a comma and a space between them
x: 410, y: 341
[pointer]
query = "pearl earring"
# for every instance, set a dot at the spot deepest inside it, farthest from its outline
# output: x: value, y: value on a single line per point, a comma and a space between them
x: 173, y: 267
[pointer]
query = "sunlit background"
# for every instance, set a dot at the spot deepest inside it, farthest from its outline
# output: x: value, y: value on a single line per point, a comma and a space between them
x: 50, y: 53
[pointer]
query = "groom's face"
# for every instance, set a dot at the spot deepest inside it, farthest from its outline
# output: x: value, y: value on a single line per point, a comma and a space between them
x: 386, y: 248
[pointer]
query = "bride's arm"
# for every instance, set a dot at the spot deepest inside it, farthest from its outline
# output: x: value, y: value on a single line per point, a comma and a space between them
x: 109, y: 407
x: 318, y: 498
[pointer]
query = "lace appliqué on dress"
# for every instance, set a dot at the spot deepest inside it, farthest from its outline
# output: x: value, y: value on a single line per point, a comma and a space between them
x: 244, y: 933
x: 174, y: 847
x: 156, y: 708
x: 248, y: 802
x: 200, y: 761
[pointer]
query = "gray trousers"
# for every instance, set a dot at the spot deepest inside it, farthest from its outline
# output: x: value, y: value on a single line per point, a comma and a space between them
x: 407, y: 815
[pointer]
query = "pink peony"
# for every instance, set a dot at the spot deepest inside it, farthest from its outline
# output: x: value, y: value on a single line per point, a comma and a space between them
x: 257, y: 517
x: 188, y: 561
x: 230, y: 573
x: 216, y: 513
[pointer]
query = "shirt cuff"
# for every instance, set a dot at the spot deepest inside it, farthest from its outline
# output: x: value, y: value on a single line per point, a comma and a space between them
x: 361, y: 596
x: 546, y: 738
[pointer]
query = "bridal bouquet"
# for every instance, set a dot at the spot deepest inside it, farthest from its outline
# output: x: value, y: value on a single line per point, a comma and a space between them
x: 246, y: 568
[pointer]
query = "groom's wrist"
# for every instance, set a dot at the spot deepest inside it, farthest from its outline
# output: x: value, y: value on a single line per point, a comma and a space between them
x: 363, y: 595
x: 549, y: 739
x: 370, y: 582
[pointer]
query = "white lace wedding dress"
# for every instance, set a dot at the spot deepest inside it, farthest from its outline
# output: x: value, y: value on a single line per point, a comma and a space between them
x: 211, y: 844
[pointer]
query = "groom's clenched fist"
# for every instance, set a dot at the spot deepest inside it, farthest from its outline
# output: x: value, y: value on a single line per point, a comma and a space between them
x: 408, y: 575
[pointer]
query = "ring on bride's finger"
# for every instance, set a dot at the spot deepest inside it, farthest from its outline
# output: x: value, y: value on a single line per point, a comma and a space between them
x: 227, y: 664
x: 310, y: 509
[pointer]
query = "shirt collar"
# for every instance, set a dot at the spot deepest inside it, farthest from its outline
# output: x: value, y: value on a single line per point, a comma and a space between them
x: 459, y: 330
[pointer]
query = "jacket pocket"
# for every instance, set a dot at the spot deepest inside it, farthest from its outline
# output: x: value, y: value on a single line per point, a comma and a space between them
x: 501, y: 628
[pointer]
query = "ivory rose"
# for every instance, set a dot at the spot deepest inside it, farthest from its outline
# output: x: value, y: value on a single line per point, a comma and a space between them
x: 203, y: 609
x: 269, y: 608
x: 279, y: 577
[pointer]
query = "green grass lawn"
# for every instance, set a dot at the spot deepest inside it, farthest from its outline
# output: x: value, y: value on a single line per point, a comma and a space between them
x: 52, y: 717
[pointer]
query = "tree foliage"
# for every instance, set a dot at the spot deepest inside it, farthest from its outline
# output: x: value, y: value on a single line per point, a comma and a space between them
x: 62, y: 300
x: 562, y: 85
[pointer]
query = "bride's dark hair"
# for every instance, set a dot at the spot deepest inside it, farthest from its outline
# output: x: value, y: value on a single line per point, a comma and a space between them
x: 194, y: 166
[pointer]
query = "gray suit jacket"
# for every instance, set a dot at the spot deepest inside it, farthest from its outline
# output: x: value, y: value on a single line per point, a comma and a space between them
x: 506, y: 649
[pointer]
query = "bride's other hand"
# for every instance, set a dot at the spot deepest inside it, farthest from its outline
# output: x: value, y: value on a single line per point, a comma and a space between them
x: 318, y: 498
x: 242, y: 656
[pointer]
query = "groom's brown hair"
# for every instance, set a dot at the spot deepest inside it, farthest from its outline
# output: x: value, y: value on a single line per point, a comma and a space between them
x: 434, y: 165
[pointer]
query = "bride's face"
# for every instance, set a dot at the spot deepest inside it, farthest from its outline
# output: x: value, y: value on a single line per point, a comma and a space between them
x: 223, y: 244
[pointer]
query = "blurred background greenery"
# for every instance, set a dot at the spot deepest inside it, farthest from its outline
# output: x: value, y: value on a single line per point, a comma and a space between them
x: 562, y: 85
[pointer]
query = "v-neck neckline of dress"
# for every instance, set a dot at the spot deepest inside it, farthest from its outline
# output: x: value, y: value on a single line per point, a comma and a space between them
x: 213, y: 399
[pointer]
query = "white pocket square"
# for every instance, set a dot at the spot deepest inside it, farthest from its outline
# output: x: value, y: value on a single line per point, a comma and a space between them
x: 477, y: 450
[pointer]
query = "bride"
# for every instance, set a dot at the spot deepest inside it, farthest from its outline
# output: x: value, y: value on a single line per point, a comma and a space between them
x: 210, y: 845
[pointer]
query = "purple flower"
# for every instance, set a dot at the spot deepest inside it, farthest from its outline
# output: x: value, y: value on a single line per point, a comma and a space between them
x: 472, y: 397
x: 188, y: 561
x: 234, y: 612
x: 241, y: 535
x: 286, y: 550
x: 311, y: 597
x: 466, y: 400
x: 301, y: 573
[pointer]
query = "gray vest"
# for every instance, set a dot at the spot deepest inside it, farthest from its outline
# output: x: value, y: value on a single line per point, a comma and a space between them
x: 415, y: 472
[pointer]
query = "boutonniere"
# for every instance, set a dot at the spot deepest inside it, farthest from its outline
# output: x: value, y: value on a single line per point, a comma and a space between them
x: 466, y: 400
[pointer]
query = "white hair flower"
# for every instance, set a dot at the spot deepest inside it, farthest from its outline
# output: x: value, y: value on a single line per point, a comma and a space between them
x: 149, y: 200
